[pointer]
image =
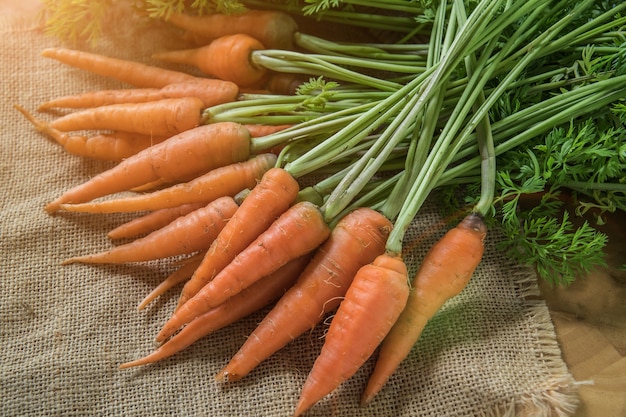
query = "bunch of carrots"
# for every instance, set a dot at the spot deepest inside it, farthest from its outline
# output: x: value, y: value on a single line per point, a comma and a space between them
x: 216, y: 162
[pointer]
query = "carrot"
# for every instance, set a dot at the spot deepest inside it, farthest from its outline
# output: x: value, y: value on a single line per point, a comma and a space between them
x: 273, y: 29
x: 248, y: 301
x: 130, y: 72
x: 152, y: 221
x: 183, y: 273
x: 106, y: 146
x: 179, y: 158
x: 443, y: 273
x: 284, y: 83
x: 356, y: 240
x: 227, y: 58
x: 188, y: 234
x: 210, y: 91
x: 227, y: 180
x: 256, y: 131
x: 276, y: 191
x: 164, y: 117
x: 295, y: 233
x: 372, y: 304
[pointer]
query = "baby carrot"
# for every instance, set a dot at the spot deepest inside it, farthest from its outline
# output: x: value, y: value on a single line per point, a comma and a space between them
x: 164, y: 117
x: 179, y: 158
x: 372, y: 304
x: 356, y: 240
x: 210, y: 91
x: 276, y: 191
x: 188, y: 234
x: 227, y: 180
x: 250, y: 300
x: 295, y: 233
x: 273, y: 29
x: 443, y: 273
x: 130, y: 72
x: 227, y: 58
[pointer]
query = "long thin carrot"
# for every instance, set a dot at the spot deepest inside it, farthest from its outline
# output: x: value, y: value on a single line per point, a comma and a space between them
x: 276, y: 191
x: 444, y: 272
x: 211, y: 91
x: 298, y: 231
x: 273, y: 29
x: 226, y: 180
x: 185, y: 235
x: 106, y: 146
x: 165, y: 117
x: 227, y: 58
x: 179, y: 158
x: 356, y: 240
x: 248, y: 301
x: 372, y: 304
x: 152, y: 221
x: 130, y: 72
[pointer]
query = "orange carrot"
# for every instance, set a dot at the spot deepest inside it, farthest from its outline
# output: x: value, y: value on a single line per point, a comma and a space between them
x: 183, y: 273
x: 188, y: 234
x: 227, y: 58
x: 273, y: 29
x: 295, y: 233
x: 130, y: 72
x: 357, y: 239
x: 256, y: 131
x: 276, y: 191
x: 152, y: 221
x: 164, y: 117
x: 444, y: 272
x: 179, y: 158
x: 106, y: 146
x: 210, y: 91
x: 372, y: 304
x: 227, y: 180
x: 248, y: 301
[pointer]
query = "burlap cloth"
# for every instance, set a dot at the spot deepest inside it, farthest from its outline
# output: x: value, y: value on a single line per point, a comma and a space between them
x: 64, y: 330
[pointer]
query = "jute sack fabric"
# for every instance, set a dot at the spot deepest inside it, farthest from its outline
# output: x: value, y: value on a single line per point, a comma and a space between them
x: 65, y: 329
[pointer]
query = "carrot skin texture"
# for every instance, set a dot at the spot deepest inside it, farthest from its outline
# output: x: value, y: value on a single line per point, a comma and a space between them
x: 444, y: 272
x: 298, y: 231
x: 256, y: 131
x: 276, y: 191
x: 164, y: 117
x: 130, y: 72
x: 185, y: 235
x: 250, y: 300
x: 219, y: 182
x: 372, y: 304
x: 227, y: 58
x: 179, y: 158
x: 357, y: 239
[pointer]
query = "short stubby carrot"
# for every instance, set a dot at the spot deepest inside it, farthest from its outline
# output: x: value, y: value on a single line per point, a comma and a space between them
x: 298, y: 231
x: 227, y: 58
x: 444, y: 272
x: 274, y: 29
x: 219, y: 182
x: 372, y: 304
x: 185, y: 235
x: 130, y: 72
x: 357, y: 239
x: 211, y: 91
x: 165, y: 117
x: 250, y: 300
x: 179, y: 158
x: 276, y: 191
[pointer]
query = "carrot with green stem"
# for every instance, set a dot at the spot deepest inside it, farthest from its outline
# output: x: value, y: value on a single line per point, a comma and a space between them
x: 276, y: 191
x: 179, y: 158
x: 226, y: 180
x: 298, y: 231
x: 356, y: 240
x: 247, y: 302
x: 185, y: 235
